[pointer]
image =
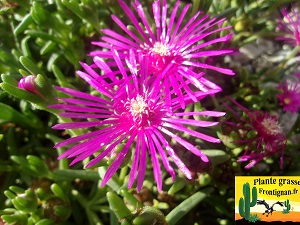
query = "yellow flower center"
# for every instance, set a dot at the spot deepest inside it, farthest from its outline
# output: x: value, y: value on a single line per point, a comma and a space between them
x: 161, y: 49
x: 287, y: 101
x: 271, y: 126
x: 138, y: 106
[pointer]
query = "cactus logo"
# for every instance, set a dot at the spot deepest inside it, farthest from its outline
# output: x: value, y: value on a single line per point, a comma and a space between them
x: 267, y: 199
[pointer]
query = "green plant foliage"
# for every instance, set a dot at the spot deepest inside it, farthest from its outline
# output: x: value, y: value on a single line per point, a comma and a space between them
x: 37, y: 207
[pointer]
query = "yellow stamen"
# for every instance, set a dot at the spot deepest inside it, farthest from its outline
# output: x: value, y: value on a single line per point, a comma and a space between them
x: 287, y: 101
x: 161, y: 49
x: 138, y: 106
x: 271, y: 126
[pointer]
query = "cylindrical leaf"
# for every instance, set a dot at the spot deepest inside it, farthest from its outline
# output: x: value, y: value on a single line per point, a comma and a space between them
x: 30, y: 66
x: 216, y: 156
x: 117, y: 205
x: 27, y: 20
x: 184, y: 207
x: 56, y: 189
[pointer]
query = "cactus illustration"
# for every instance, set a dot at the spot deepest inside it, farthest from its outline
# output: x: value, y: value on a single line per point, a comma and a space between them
x: 288, y: 207
x: 244, y: 203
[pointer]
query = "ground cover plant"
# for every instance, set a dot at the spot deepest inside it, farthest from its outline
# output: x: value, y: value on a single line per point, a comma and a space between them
x: 143, y: 112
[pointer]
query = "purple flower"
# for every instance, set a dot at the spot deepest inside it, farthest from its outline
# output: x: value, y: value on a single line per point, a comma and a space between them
x: 289, y: 97
x: 290, y: 26
x: 27, y: 83
x: 132, y: 113
x: 261, y: 135
x: 173, y: 49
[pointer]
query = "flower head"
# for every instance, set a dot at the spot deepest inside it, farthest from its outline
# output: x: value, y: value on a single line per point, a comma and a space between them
x: 134, y: 114
x: 290, y: 26
x: 260, y: 134
x: 289, y: 97
x: 172, y: 49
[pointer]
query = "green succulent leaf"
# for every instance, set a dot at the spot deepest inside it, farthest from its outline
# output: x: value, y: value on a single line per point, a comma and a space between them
x: 10, y: 115
x: 118, y: 206
x: 216, y: 156
x: 184, y: 207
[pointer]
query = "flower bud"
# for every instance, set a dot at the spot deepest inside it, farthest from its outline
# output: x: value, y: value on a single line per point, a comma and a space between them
x: 26, y: 202
x: 27, y: 83
x: 204, y: 179
x: 38, y: 165
x: 56, y: 209
x: 40, y: 86
x: 18, y: 218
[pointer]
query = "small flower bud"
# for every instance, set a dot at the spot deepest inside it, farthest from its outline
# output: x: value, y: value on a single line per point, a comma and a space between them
x: 26, y: 202
x: 27, y: 83
x: 56, y: 209
x: 40, y: 86
x: 204, y: 179
x: 17, y: 218
x: 37, y: 165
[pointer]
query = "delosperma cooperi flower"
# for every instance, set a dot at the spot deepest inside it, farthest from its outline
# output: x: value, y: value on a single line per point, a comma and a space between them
x: 173, y: 48
x: 262, y: 135
x: 134, y: 114
x: 290, y: 26
x: 289, y: 97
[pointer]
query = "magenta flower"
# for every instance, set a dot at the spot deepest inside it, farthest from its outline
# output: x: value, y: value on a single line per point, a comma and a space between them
x: 134, y: 114
x: 290, y: 26
x: 261, y: 137
x: 289, y: 97
x: 27, y: 83
x: 173, y: 49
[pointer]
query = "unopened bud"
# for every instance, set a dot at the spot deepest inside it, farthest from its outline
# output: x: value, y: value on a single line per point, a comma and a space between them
x: 204, y: 179
x: 17, y: 218
x: 56, y: 209
x: 27, y: 83
x: 40, y: 86
x: 26, y: 202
